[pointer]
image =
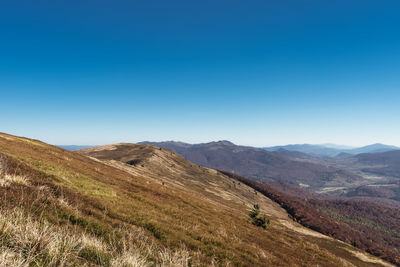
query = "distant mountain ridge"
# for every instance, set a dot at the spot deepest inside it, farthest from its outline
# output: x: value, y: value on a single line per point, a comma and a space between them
x: 375, y: 148
x: 329, y: 150
x: 333, y: 151
x: 295, y: 154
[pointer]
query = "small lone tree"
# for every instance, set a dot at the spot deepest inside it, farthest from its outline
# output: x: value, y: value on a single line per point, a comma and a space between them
x: 255, y: 211
x: 257, y: 219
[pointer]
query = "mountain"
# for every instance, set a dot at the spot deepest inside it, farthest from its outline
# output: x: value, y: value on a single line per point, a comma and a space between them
x: 316, y: 150
x: 261, y: 165
x: 330, y: 150
x: 73, y: 147
x: 385, y: 163
x: 295, y: 154
x: 375, y: 148
x: 178, y: 147
x: 62, y: 208
x: 378, y: 167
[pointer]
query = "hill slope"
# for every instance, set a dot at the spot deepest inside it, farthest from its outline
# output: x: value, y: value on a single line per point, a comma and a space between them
x: 385, y: 163
x: 262, y: 165
x: 60, y: 208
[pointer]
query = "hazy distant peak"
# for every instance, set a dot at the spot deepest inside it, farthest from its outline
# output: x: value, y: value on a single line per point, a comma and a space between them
x: 380, y: 145
x: 225, y: 142
x: 374, y: 148
x: 330, y: 145
x: 175, y: 143
x: 333, y: 150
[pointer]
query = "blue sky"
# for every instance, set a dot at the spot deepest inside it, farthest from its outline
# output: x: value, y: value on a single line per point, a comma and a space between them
x: 253, y: 72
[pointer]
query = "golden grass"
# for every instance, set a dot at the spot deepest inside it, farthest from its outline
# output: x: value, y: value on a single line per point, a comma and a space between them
x: 8, y: 179
x: 26, y: 241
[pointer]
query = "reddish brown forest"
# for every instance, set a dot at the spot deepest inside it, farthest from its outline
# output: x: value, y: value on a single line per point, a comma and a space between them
x: 366, y: 225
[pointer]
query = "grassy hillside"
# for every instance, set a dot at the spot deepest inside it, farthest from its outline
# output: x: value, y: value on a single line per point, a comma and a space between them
x: 60, y: 208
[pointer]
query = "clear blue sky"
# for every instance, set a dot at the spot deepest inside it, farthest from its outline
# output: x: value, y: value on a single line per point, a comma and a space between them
x: 253, y: 72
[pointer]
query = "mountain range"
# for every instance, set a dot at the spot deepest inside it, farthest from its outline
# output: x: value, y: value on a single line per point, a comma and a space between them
x: 365, y: 174
x: 325, y: 150
x: 371, y: 176
x: 262, y: 165
x: 332, y: 151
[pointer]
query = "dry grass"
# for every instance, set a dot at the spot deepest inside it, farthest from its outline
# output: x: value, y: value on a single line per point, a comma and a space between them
x: 8, y: 179
x: 84, y: 212
x: 27, y: 238
x: 26, y: 241
x: 3, y: 164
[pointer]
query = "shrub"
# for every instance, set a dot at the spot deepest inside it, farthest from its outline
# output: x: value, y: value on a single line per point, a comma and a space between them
x: 257, y: 219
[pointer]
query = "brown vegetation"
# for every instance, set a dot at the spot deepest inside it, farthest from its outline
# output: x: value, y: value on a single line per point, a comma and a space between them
x: 368, y: 226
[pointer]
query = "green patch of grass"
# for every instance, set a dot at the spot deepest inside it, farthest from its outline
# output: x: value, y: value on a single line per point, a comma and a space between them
x: 154, y: 229
x: 86, y: 224
x: 91, y: 254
